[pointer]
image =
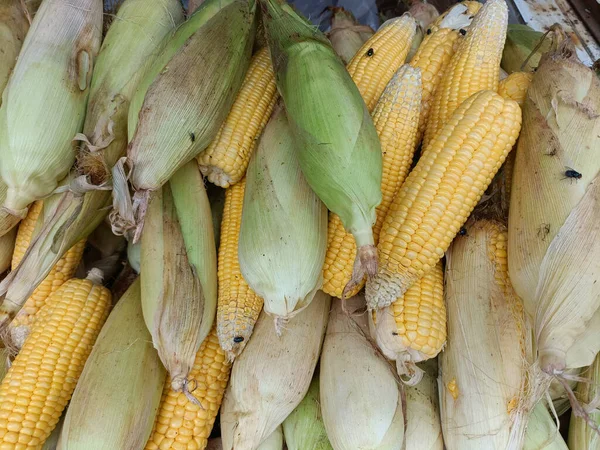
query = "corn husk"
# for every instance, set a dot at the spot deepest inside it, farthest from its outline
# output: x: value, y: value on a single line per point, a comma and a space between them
x: 123, y: 378
x: 483, y: 370
x: 7, y: 220
x: 283, y: 235
x: 274, y: 441
x: 554, y: 221
x: 423, y: 427
x: 581, y: 434
x: 424, y: 13
x: 52, y: 442
x: 134, y: 255
x: 337, y: 144
x: 197, y: 74
x: 558, y: 393
x: 346, y: 34
x: 7, y: 244
x: 261, y: 394
x: 542, y: 432
x: 361, y: 398
x: 4, y: 361
x: 130, y: 43
x: 304, y: 429
x: 49, y: 85
x: 521, y: 41
x: 179, y: 276
x: 13, y: 28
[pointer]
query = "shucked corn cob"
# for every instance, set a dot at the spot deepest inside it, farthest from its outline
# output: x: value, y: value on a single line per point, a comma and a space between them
x: 441, y: 191
x: 515, y: 86
x: 225, y: 160
x: 396, y: 120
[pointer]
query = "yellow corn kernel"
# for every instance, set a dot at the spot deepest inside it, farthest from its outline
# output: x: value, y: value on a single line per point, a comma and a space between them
x: 453, y: 388
x: 181, y: 424
x: 225, y: 160
x: 238, y: 307
x: 441, y: 191
x: 42, y: 377
x: 26, y: 232
x: 381, y: 56
x: 396, y: 120
x: 515, y: 86
x: 474, y: 66
x: 473, y: 8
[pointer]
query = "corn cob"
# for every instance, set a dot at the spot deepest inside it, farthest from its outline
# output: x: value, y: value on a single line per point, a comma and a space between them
x: 474, y: 66
x: 441, y: 191
x: 130, y: 43
x: 13, y: 28
x: 225, y: 160
x: 413, y: 328
x: 515, y: 86
x: 470, y: 7
x: 346, y: 35
x: 52, y: 75
x: 216, y: 40
x: 42, y: 377
x: 124, y: 375
x: 396, y: 120
x: 255, y: 406
x: 181, y: 423
x: 7, y: 245
x: 283, y: 234
x: 380, y: 57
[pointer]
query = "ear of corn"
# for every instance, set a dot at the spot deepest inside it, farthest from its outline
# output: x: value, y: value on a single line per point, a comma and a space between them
x: 238, y: 306
x: 581, y: 434
x: 180, y: 423
x: 396, y: 120
x: 360, y: 395
x: 42, y: 377
x: 7, y: 245
x: 274, y: 441
x: 346, y: 35
x: 441, y: 191
x: 483, y: 368
x: 270, y: 378
x: 515, y: 86
x: 303, y: 428
x: 216, y: 40
x: 554, y: 222
x: 521, y: 40
x: 130, y: 42
x: 336, y: 141
x: 474, y: 66
x: 283, y: 234
x: 542, y: 432
x: 53, y: 73
x: 225, y: 160
x: 13, y: 28
x: 125, y: 376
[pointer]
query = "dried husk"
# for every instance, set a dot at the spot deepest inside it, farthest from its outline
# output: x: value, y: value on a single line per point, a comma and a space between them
x: 274, y: 441
x: 130, y: 43
x: 483, y: 370
x: 521, y: 41
x: 182, y: 101
x: 542, y: 432
x: 361, y: 398
x: 124, y: 375
x: 13, y: 28
x: 558, y: 393
x: 337, y: 144
x: 283, y: 235
x: 4, y: 361
x: 581, y: 435
x: 270, y: 378
x: 7, y: 244
x: 554, y: 221
x: 346, y: 34
x: 43, y: 104
x: 303, y: 428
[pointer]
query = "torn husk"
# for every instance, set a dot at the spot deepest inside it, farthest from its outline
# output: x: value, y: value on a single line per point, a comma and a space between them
x: 13, y: 28
x: 347, y: 35
x: 283, y: 234
x: 203, y: 63
x: 271, y: 377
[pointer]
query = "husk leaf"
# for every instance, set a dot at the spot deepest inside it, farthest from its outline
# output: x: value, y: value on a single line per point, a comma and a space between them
x: 542, y: 433
x: 361, y: 399
x: 424, y: 13
x: 7, y: 244
x: 558, y: 394
x: 346, y: 35
x: 283, y: 235
x: 7, y: 220
x: 261, y: 393
x: 581, y: 435
x: 521, y: 40
x: 13, y: 28
x: 4, y: 359
x: 124, y: 375
x: 52, y: 442
x: 274, y: 441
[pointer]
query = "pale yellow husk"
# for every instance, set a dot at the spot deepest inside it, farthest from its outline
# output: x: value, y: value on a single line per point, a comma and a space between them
x: 13, y: 28
x: 483, y: 370
x: 542, y: 432
x: 4, y: 360
x: 581, y: 434
x: 43, y: 104
x: 554, y: 221
x: 424, y: 13
x: 7, y: 244
x: 270, y: 378
x: 274, y: 441
x: 124, y: 375
x: 361, y: 401
x: 7, y: 220
x: 346, y: 35
x: 558, y: 393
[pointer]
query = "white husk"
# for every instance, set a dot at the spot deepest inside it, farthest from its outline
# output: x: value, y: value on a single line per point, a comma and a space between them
x: 542, y: 433
x: 274, y: 441
x: 581, y: 434
x: 558, y: 394
x: 485, y: 355
x: 270, y: 378
x: 361, y: 397
x: 7, y: 244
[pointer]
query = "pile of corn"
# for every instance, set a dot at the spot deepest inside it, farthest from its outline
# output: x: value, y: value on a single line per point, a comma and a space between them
x: 464, y: 202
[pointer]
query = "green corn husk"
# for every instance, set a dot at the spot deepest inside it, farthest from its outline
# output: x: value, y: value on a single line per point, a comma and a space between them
x: 119, y: 391
x: 272, y: 375
x: 274, y: 441
x: 130, y: 43
x: 13, y: 28
x: 337, y: 144
x: 346, y: 35
x: 283, y: 235
x: 581, y: 435
x: 542, y: 433
x: 304, y: 429
x: 7, y: 220
x: 43, y: 104
x: 7, y: 244
x: 179, y: 277
x: 521, y: 40
x: 134, y: 255
x: 182, y: 101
